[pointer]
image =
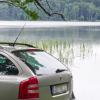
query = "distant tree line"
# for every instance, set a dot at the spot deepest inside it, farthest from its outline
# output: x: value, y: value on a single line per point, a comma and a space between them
x: 83, y: 11
x: 72, y: 10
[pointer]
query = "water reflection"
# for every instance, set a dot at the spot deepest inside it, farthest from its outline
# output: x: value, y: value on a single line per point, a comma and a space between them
x: 75, y: 34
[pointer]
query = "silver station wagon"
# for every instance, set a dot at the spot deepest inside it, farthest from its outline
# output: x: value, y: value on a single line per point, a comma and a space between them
x: 28, y: 73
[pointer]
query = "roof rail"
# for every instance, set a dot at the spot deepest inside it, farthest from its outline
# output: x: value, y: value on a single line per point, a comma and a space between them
x: 11, y: 44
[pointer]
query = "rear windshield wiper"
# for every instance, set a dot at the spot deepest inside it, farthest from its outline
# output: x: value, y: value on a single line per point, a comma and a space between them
x: 60, y: 70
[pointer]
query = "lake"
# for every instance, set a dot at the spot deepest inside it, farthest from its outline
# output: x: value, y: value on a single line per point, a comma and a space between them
x: 77, y: 47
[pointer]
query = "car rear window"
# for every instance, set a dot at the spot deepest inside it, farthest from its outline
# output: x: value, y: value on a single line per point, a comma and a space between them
x: 40, y: 62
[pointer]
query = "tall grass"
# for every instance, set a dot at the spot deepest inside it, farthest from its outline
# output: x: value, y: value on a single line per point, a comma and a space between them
x: 63, y: 50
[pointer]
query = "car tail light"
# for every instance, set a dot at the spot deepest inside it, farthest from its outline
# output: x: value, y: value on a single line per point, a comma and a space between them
x: 28, y: 89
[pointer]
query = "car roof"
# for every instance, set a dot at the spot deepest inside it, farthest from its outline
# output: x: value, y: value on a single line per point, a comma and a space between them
x: 17, y: 47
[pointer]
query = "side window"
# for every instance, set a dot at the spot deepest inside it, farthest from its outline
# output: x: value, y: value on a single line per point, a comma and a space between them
x: 7, y: 67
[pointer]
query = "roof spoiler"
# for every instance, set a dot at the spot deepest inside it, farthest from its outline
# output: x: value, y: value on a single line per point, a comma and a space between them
x: 12, y: 44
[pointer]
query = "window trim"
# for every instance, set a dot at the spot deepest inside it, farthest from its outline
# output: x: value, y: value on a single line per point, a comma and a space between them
x: 13, y: 61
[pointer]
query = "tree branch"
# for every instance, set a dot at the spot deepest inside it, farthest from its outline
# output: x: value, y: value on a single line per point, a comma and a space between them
x: 48, y: 5
x: 56, y: 13
x: 48, y: 13
x: 8, y: 2
x: 36, y: 6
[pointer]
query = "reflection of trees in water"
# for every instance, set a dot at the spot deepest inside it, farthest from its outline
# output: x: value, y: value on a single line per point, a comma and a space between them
x: 29, y: 60
x: 65, y: 51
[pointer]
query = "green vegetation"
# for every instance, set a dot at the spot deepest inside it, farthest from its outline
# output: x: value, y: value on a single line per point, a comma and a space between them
x: 82, y: 10
x: 24, y: 5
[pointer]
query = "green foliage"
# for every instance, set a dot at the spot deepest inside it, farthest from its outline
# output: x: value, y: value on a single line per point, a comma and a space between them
x: 32, y: 14
x: 23, y: 5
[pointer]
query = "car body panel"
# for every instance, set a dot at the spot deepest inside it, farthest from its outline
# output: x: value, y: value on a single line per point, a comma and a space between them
x: 47, y: 80
x: 9, y: 84
x: 9, y: 87
x: 56, y: 78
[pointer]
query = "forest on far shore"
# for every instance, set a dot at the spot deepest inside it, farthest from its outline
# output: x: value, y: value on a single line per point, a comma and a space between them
x: 72, y: 10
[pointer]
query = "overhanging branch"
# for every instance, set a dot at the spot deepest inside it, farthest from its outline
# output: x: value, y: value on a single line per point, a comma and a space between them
x: 48, y: 13
x: 48, y: 5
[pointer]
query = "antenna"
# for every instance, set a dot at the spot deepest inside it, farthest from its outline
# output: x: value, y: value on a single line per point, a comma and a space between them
x: 19, y: 34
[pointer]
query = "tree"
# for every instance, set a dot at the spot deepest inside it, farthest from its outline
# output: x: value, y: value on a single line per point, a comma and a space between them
x: 24, y: 5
